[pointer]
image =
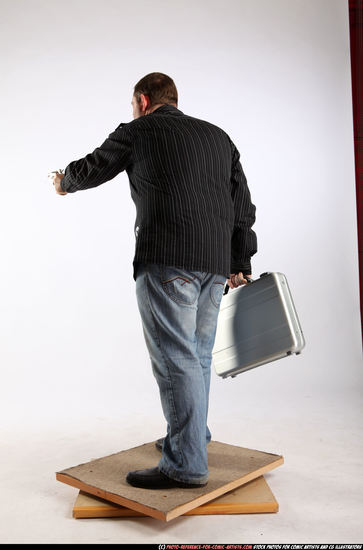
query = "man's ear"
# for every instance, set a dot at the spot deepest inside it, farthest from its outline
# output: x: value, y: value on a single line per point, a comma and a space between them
x: 145, y: 101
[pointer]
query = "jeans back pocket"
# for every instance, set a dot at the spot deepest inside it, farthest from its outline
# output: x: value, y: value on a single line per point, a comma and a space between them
x: 182, y: 286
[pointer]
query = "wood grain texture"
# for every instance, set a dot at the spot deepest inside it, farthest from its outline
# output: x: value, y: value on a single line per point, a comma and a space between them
x: 229, y: 467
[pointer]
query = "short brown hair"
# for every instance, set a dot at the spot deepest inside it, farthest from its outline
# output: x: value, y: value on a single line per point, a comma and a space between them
x: 159, y: 87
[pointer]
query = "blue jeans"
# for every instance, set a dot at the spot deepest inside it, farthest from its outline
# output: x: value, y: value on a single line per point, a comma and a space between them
x: 179, y: 312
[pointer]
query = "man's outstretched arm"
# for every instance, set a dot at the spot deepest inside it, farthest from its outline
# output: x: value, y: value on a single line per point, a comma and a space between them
x: 103, y: 164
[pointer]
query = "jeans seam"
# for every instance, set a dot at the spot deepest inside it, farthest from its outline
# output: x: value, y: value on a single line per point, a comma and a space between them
x: 178, y: 277
x: 151, y: 312
x: 167, y: 366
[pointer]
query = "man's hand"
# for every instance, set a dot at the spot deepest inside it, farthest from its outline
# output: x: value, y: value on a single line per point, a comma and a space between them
x: 237, y: 279
x: 57, y: 177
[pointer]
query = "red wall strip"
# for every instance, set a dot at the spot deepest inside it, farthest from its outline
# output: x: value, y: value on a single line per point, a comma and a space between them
x: 356, y: 56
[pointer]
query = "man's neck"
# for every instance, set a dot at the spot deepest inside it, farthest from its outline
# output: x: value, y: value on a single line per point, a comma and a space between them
x: 154, y: 107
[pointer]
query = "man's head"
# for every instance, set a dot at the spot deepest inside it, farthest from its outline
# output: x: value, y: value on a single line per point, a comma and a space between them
x: 152, y: 91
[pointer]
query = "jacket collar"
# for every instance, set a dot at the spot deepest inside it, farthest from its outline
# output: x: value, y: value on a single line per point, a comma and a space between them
x: 167, y: 108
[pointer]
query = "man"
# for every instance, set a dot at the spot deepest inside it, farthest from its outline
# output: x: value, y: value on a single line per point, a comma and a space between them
x: 193, y: 232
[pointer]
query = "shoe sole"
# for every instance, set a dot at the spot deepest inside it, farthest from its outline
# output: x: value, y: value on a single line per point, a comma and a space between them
x: 177, y: 485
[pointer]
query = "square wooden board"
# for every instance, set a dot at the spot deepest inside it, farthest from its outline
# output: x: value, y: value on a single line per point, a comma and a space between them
x: 230, y: 467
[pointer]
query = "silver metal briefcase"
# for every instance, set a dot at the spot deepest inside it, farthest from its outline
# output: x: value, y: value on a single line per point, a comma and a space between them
x: 257, y: 324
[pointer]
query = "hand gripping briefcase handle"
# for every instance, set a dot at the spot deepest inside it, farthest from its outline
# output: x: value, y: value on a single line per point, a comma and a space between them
x: 248, y: 279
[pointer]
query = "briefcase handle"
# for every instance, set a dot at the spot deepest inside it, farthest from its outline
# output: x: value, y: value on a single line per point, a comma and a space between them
x: 226, y: 288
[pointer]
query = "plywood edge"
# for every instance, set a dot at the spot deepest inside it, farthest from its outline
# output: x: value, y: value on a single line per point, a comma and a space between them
x: 101, y: 512
x: 74, y: 482
x: 180, y: 510
x: 234, y: 502
x: 204, y: 510
x: 234, y: 508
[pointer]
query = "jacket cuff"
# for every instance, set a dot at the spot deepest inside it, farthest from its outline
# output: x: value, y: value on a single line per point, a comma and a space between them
x: 66, y: 184
x: 245, y: 268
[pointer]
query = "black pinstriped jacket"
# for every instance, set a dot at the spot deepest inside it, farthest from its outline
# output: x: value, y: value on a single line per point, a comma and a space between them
x: 193, y: 204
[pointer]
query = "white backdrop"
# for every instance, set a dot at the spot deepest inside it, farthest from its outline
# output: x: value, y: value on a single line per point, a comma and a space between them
x: 275, y: 75
x: 76, y: 380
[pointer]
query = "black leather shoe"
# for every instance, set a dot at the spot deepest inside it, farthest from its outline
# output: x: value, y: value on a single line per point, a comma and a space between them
x: 152, y: 478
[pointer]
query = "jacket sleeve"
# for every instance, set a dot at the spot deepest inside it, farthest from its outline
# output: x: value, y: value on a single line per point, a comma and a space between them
x: 244, y: 240
x: 103, y: 164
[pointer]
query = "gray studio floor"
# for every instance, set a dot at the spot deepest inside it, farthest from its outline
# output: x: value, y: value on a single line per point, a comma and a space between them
x: 319, y: 487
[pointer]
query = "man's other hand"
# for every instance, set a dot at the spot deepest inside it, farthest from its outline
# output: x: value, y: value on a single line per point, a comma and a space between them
x: 237, y: 279
x: 57, y: 178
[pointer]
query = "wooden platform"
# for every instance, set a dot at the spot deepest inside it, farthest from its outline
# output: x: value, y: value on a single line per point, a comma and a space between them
x: 255, y: 497
x: 229, y: 467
